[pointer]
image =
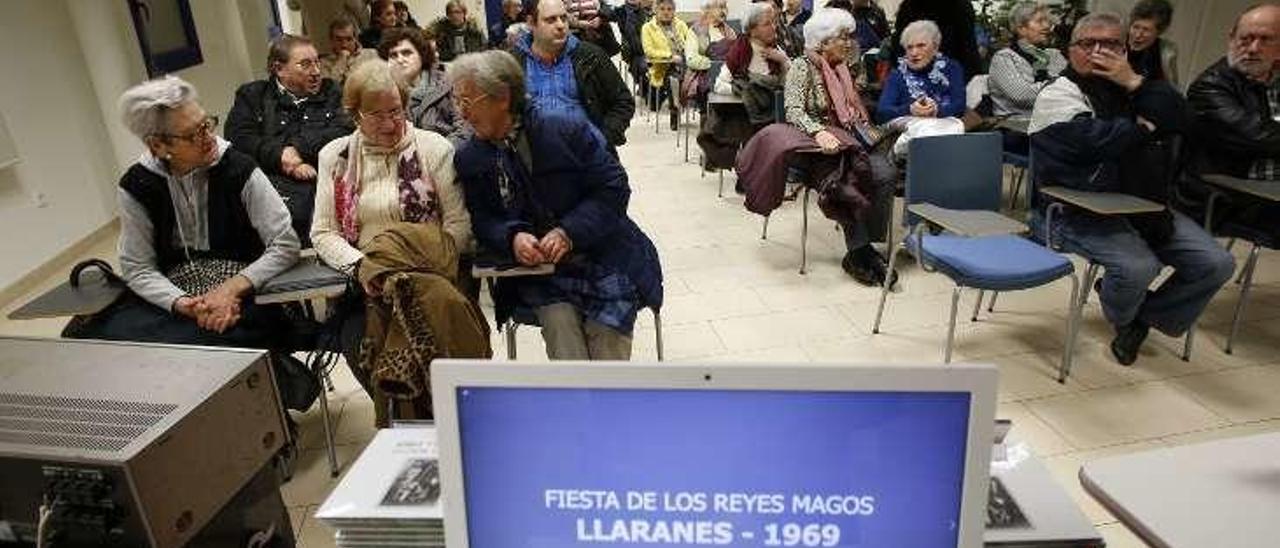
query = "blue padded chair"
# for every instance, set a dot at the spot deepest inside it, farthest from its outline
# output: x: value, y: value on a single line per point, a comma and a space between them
x: 954, y: 184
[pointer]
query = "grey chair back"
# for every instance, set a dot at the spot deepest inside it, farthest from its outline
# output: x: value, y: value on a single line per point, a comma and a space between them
x: 955, y: 171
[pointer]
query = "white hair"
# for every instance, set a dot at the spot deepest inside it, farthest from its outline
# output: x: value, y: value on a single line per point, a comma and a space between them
x: 924, y: 26
x: 144, y: 108
x: 495, y: 72
x: 826, y: 23
x: 1023, y: 13
x: 756, y: 12
x: 1096, y: 19
x: 708, y: 4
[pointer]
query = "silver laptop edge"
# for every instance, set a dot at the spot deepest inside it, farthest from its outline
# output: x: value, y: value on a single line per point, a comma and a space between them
x: 978, y: 380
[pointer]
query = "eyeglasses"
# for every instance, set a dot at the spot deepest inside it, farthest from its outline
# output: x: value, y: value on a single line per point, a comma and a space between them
x: 205, y: 129
x: 464, y: 104
x: 393, y: 115
x: 1089, y: 44
x: 1248, y: 39
x: 308, y: 65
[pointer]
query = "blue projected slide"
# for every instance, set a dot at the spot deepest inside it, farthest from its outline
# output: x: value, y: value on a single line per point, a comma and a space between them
x: 585, y: 467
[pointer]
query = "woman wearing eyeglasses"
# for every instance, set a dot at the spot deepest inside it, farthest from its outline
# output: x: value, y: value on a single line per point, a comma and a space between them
x: 200, y: 228
x: 1020, y: 71
x: 388, y: 212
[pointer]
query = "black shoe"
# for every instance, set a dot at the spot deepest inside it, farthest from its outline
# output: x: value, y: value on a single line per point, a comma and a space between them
x: 866, y: 266
x: 675, y: 119
x: 1128, y: 340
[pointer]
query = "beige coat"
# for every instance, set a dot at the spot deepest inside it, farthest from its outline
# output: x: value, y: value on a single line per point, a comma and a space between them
x: 379, y: 204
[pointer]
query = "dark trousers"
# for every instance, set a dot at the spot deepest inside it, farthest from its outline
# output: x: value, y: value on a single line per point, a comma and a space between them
x: 300, y: 198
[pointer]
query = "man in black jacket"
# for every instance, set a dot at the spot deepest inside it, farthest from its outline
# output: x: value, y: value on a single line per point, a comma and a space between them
x: 567, y: 74
x: 1097, y: 128
x: 284, y: 121
x: 1237, y: 111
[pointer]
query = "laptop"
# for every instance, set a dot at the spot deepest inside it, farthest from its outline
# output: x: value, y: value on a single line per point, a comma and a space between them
x: 586, y: 454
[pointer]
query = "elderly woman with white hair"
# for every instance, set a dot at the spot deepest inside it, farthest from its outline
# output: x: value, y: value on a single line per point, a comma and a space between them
x: 201, y: 228
x: 712, y: 35
x: 925, y: 94
x: 825, y: 112
x: 822, y: 98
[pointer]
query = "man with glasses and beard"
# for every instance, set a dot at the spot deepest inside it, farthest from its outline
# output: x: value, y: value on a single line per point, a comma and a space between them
x: 1095, y: 129
x: 284, y: 121
x: 1236, y: 102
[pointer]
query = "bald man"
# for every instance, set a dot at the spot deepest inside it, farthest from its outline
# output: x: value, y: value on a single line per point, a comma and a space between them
x: 1236, y: 103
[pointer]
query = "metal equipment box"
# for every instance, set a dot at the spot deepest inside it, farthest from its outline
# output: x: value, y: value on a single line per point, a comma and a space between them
x: 131, y: 444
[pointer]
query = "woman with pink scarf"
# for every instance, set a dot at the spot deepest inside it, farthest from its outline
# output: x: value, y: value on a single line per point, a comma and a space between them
x: 822, y: 101
x: 385, y: 173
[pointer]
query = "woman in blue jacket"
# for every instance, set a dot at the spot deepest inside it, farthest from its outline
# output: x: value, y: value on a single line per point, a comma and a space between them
x: 925, y: 94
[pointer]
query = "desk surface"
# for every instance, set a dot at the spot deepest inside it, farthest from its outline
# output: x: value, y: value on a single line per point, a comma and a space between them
x: 1016, y: 124
x: 1223, y: 493
x: 94, y: 293
x: 714, y: 98
x: 309, y: 279
x: 1267, y: 190
x: 1054, y: 518
x: 1105, y: 203
x: 973, y: 223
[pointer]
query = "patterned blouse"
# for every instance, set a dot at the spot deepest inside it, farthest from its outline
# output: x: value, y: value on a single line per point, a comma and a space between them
x: 806, y: 101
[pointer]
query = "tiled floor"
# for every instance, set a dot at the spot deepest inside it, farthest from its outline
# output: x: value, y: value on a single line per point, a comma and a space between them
x: 731, y: 296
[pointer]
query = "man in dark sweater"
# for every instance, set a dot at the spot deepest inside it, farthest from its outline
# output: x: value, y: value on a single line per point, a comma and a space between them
x: 283, y: 122
x: 1099, y: 128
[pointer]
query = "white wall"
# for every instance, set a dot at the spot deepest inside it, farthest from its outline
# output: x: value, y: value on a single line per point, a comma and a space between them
x: 68, y: 62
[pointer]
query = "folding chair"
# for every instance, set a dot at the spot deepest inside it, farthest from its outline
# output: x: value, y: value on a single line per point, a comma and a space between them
x: 1260, y: 238
x: 526, y: 316
x: 953, y: 185
x: 1107, y: 204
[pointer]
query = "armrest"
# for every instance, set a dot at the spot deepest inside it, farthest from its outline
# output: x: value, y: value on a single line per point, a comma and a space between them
x: 1102, y: 203
x: 1267, y: 190
x: 511, y: 271
x: 971, y: 223
x: 307, y: 280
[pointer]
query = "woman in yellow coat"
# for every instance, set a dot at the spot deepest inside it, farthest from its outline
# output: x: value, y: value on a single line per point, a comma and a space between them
x: 664, y: 38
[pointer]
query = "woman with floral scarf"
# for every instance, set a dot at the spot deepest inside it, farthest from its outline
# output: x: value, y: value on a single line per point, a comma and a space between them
x: 925, y: 94
x: 385, y: 173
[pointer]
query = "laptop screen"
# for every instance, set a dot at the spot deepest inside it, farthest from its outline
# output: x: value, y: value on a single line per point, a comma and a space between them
x: 556, y: 467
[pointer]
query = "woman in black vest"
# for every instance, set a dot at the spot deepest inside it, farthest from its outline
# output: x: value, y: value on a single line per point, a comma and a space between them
x: 200, y: 228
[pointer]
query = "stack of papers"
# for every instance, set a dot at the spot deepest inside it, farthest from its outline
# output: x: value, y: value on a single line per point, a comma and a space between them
x: 391, y: 496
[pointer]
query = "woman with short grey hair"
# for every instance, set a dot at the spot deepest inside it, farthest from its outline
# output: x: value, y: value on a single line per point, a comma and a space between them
x: 925, y: 94
x: 1020, y: 71
x: 200, y: 229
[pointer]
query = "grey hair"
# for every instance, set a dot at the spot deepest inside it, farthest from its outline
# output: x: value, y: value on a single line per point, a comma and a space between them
x: 708, y: 4
x: 1022, y: 14
x: 1096, y: 19
x: 144, y: 108
x: 826, y: 23
x: 494, y: 71
x: 924, y: 26
x: 756, y: 12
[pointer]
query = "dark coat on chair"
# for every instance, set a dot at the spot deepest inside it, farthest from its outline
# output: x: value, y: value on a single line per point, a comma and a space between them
x: 565, y: 178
